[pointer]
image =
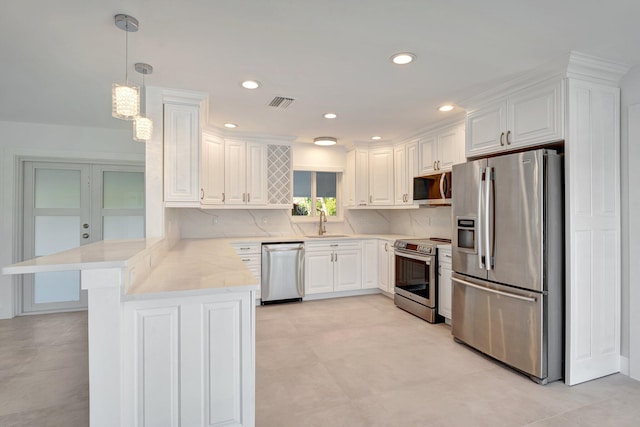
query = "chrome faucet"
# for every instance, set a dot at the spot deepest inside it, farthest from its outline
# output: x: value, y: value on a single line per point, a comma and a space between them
x: 322, y: 229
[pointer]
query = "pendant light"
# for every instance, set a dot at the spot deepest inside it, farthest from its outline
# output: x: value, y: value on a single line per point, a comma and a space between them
x: 125, y: 98
x: 143, y: 126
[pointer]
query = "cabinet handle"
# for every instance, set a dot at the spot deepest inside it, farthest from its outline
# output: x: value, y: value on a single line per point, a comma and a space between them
x: 438, y: 164
x: 331, y: 256
x: 336, y: 257
x: 244, y: 249
x: 248, y: 197
x: 386, y: 247
x: 334, y: 246
x: 85, y: 236
x: 223, y: 197
x: 244, y: 197
x: 434, y: 166
x: 370, y: 199
x: 508, y: 133
x: 201, y: 193
x: 246, y: 259
x: 501, y: 137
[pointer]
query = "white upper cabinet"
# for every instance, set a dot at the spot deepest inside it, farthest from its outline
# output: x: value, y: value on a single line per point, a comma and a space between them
x: 182, y: 154
x: 245, y: 175
x: 531, y: 116
x: 381, y: 176
x: 440, y: 150
x: 405, y: 160
x: 212, y: 170
x: 356, y: 182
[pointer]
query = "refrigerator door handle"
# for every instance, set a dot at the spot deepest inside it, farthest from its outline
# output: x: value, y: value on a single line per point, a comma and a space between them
x: 493, y: 291
x: 487, y: 218
x: 479, y: 225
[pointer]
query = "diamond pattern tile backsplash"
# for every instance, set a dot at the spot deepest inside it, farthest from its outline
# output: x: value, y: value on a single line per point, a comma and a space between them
x: 279, y: 174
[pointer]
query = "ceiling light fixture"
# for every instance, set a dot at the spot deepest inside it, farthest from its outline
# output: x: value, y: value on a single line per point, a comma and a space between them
x: 446, y: 108
x: 143, y: 126
x: 330, y: 115
x: 403, y: 58
x: 376, y: 138
x: 125, y: 100
x: 250, y: 84
x: 325, y: 140
x: 230, y: 125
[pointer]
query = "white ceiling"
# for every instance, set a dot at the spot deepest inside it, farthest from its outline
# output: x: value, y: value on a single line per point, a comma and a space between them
x: 59, y: 58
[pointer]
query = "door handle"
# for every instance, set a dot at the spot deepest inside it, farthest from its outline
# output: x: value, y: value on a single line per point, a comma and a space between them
x: 493, y: 291
x: 478, y: 224
x: 487, y: 217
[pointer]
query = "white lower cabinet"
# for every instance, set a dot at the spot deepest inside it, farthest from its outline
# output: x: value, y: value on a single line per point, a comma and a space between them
x: 369, y: 264
x: 189, y: 361
x: 332, y: 267
x: 251, y: 256
x: 444, y: 282
x: 386, y: 266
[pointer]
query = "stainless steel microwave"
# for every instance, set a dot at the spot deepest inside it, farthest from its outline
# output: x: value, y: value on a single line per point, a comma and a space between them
x: 432, y: 189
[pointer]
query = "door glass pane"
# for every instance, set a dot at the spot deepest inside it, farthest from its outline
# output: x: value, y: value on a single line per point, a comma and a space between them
x: 57, y: 188
x: 56, y: 234
x: 123, y: 227
x: 123, y: 190
x: 56, y: 286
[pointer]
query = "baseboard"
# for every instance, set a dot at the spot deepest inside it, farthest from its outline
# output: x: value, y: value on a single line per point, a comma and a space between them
x: 341, y: 294
x: 624, y: 365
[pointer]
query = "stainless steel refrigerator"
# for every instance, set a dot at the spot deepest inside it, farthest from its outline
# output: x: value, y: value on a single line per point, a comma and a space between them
x: 508, y: 260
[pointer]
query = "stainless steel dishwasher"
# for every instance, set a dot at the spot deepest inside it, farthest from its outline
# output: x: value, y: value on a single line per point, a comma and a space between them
x: 282, y: 272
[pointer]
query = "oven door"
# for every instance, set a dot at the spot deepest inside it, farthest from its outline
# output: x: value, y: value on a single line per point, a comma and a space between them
x: 416, y: 278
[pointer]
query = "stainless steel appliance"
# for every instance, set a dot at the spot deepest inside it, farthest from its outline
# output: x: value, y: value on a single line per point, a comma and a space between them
x: 416, y: 285
x: 508, y: 260
x: 432, y: 189
x: 282, y: 272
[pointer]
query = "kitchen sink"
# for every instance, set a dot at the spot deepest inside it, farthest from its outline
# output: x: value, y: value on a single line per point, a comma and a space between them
x: 326, y: 236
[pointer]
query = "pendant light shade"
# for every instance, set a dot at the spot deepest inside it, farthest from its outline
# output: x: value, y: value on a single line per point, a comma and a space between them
x: 143, y: 126
x: 125, y: 101
x: 142, y: 129
x: 125, y: 97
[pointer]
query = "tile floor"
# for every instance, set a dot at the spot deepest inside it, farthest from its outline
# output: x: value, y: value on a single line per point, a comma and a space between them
x: 353, y: 362
x: 361, y: 361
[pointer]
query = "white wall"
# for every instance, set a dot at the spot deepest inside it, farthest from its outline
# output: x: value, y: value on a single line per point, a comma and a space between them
x: 630, y: 208
x: 53, y: 142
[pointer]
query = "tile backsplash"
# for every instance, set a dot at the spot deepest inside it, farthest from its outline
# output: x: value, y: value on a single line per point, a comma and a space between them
x: 198, y: 223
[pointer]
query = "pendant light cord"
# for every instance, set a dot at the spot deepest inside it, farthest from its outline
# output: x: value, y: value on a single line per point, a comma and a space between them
x: 126, y: 54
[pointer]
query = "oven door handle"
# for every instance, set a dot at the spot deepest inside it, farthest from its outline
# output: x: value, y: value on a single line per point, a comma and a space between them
x: 493, y: 291
x: 426, y: 259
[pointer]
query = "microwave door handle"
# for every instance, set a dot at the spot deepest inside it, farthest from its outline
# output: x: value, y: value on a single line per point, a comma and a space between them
x: 487, y: 217
x: 442, y: 179
x: 479, y: 223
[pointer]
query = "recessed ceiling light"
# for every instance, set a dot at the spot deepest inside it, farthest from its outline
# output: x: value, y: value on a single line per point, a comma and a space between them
x: 230, y: 125
x: 330, y: 116
x: 325, y: 140
x: 251, y: 84
x: 403, y: 58
x: 376, y: 138
x: 446, y: 107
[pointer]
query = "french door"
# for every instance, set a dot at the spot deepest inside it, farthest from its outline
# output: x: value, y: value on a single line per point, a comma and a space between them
x: 71, y: 204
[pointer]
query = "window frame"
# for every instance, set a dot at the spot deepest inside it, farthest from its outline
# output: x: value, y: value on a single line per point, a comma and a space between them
x: 314, y: 214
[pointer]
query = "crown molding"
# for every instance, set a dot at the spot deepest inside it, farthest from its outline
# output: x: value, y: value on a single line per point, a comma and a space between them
x: 587, y: 67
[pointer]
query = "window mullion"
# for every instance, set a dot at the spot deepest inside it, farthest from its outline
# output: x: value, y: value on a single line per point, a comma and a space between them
x: 313, y: 194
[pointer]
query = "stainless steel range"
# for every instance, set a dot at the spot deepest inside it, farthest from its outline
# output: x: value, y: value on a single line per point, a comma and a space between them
x: 416, y: 284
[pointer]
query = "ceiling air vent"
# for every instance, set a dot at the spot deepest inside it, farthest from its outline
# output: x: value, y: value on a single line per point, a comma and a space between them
x: 281, y: 102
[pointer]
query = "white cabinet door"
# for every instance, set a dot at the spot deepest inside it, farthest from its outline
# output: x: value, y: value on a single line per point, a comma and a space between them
x: 400, y: 175
x: 447, y: 149
x: 318, y: 272
x: 486, y: 128
x: 428, y: 155
x: 349, y: 180
x: 182, y: 154
x: 212, y: 170
x: 381, y: 176
x: 369, y: 264
x: 235, y: 179
x: 386, y: 259
x: 444, y: 283
x: 535, y: 115
x: 347, y: 269
x: 256, y: 172
x: 361, y: 178
x: 412, y: 169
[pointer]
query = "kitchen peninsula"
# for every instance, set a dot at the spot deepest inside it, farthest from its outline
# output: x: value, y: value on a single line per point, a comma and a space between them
x: 171, y: 330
